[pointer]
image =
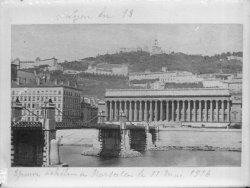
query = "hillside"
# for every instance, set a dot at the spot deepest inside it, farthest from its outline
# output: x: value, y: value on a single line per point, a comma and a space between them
x: 141, y: 61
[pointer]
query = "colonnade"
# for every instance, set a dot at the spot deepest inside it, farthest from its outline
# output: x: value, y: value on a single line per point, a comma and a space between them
x: 170, y: 110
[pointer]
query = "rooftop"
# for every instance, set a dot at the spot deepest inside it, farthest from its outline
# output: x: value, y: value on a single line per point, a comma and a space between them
x: 33, y: 85
x: 167, y: 92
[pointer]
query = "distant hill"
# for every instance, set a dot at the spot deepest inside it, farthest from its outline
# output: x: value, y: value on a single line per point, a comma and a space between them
x: 140, y: 61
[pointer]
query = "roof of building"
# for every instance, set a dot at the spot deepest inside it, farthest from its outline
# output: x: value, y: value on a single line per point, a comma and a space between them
x: 167, y: 92
x: 34, y: 85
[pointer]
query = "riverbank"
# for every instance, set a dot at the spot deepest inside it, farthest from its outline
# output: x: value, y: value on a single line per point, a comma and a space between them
x: 194, y: 148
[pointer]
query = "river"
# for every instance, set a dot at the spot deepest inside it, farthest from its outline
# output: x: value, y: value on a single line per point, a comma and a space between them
x: 172, y: 158
x: 75, y: 141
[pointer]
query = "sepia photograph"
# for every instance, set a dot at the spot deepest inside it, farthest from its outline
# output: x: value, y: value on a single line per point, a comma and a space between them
x: 126, y: 95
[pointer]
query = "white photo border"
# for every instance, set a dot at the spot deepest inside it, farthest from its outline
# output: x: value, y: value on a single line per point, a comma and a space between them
x: 149, y: 11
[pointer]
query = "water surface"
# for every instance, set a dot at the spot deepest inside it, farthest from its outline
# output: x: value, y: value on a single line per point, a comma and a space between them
x: 172, y: 158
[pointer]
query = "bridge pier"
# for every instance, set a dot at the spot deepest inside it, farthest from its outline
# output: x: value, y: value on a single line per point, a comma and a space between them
x: 35, y: 138
x: 126, y: 150
x: 149, y: 138
x: 125, y: 139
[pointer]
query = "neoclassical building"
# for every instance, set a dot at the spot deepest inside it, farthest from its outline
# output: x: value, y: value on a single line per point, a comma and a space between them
x: 172, y: 105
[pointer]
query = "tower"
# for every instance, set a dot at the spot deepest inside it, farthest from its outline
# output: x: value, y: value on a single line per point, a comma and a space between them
x: 155, y: 47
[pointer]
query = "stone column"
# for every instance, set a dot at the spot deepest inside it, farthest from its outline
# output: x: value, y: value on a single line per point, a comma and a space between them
x: 200, y: 108
x: 110, y: 111
x: 125, y: 109
x: 156, y: 111
x: 146, y: 111
x: 106, y: 111
x: 183, y: 116
x: 167, y: 111
x: 195, y: 113
x: 135, y: 111
x: 150, y: 111
x: 178, y: 111
x: 49, y: 124
x: 172, y: 117
x: 120, y: 108
x: 228, y: 111
x: 211, y: 111
x: 205, y: 111
x: 140, y: 111
x: 189, y: 111
x: 217, y: 110
x: 161, y: 111
x: 130, y: 110
x: 115, y: 118
x: 223, y: 110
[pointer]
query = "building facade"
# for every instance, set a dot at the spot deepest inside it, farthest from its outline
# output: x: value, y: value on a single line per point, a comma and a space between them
x: 52, y: 63
x: 34, y: 97
x: 88, y: 111
x: 108, y: 69
x: 166, y: 77
x: 175, y: 105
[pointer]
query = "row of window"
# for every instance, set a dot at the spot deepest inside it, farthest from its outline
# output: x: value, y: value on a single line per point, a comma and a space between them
x: 38, y: 92
x: 38, y: 98
x: 70, y: 93
x: 58, y: 119
x: 37, y: 105
x: 72, y: 113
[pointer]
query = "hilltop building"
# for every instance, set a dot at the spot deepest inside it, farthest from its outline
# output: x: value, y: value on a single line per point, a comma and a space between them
x: 108, y: 69
x: 138, y: 49
x: 234, y: 57
x: 51, y: 63
x: 166, y: 76
x: 156, y: 49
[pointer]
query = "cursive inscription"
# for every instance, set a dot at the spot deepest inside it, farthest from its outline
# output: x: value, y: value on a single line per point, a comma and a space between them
x: 19, y: 174
x: 77, y: 16
x: 100, y: 174
x: 73, y: 16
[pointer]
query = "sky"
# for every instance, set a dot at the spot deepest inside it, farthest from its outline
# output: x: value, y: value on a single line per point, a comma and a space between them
x: 76, y: 41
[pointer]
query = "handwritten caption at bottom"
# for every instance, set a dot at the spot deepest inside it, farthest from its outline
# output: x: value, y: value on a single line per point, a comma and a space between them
x: 100, y: 173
